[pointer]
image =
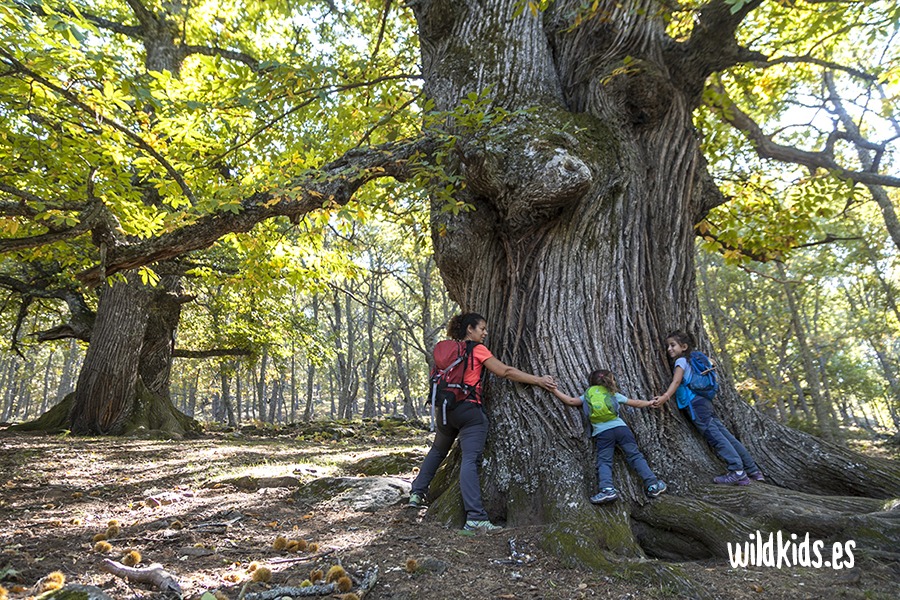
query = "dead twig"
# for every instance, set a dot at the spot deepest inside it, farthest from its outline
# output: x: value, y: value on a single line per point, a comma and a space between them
x: 300, y: 559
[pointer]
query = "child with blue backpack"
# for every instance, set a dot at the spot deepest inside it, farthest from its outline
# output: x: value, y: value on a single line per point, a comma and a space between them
x: 600, y: 402
x: 694, y: 385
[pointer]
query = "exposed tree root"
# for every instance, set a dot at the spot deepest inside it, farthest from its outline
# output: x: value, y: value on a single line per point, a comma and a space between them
x: 53, y: 421
x: 156, y: 416
x: 800, y: 461
x: 153, y: 416
x: 600, y: 539
x: 703, y: 525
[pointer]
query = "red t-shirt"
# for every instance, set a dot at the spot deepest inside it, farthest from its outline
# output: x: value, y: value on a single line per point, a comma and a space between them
x: 480, y: 353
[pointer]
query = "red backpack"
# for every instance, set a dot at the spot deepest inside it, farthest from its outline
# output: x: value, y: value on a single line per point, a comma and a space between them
x: 448, y: 386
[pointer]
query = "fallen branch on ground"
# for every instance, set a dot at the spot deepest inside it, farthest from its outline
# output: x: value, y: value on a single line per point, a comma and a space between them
x: 153, y: 575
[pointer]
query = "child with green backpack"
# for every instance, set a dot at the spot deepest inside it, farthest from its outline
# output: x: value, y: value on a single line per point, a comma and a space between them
x: 600, y: 402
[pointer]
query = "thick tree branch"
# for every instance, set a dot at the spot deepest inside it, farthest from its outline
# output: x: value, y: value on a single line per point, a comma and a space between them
x: 766, y: 147
x: 20, y: 318
x: 712, y: 46
x: 234, y: 55
x: 145, y: 16
x: 812, y: 60
x: 95, y: 114
x: 18, y: 209
x: 86, y: 222
x: 212, y: 353
x: 131, y: 31
x: 81, y: 316
x: 854, y: 135
x: 333, y: 184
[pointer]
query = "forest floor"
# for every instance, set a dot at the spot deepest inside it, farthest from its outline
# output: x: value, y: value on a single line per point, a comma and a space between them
x: 192, y: 507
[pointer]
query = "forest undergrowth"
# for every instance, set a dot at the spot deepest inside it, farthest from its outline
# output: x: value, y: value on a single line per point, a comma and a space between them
x: 210, y: 510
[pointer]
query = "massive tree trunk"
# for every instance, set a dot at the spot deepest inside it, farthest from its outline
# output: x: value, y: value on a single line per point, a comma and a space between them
x: 123, y: 385
x: 580, y: 254
x: 108, y: 382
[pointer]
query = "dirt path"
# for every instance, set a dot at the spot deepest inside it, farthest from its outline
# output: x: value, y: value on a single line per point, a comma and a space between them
x: 173, y: 506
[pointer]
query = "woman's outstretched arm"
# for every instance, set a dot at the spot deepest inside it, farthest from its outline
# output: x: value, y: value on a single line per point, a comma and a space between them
x: 501, y: 370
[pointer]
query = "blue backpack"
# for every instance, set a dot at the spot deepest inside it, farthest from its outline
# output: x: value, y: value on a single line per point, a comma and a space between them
x: 704, y: 381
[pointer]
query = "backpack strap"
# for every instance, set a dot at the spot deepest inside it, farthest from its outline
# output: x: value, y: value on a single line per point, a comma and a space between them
x: 473, y: 389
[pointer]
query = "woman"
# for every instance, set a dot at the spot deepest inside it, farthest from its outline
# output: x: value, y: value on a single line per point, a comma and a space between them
x: 468, y: 422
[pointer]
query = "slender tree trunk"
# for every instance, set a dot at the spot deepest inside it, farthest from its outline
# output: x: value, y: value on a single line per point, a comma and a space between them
x: 813, y: 384
x: 295, y: 396
x: 239, y: 395
x: 26, y: 393
x: 345, y: 359
x: 45, y: 393
x: 409, y: 408
x: 311, y: 370
x: 11, y: 390
x: 226, y: 398
x: 261, y: 385
x: 332, y: 411
x: 68, y: 369
x: 191, y: 400
x: 4, y: 381
x: 12, y: 367
x: 371, y: 351
x: 890, y: 375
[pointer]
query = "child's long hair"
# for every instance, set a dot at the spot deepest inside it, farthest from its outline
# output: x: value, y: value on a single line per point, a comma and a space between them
x: 459, y: 325
x: 605, y: 378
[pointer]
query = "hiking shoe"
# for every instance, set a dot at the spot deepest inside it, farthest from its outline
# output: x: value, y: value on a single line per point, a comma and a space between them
x: 416, y: 500
x: 485, y: 526
x: 757, y: 476
x: 656, y: 489
x: 732, y: 478
x: 605, y: 495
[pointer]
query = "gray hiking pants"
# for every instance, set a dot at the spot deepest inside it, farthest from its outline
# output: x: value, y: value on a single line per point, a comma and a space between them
x: 468, y: 423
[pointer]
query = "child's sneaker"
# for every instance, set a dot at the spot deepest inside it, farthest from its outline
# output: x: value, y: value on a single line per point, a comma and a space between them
x: 485, y: 526
x: 656, y: 489
x: 732, y: 478
x: 757, y: 476
x: 416, y: 500
x: 605, y: 495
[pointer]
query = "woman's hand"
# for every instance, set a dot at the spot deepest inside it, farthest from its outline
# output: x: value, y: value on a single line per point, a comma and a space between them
x: 547, y: 382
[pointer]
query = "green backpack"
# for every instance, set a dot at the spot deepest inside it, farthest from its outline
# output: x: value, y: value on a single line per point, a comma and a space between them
x: 602, y: 403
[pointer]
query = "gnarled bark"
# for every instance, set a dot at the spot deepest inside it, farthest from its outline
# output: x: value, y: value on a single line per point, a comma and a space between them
x: 580, y: 254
